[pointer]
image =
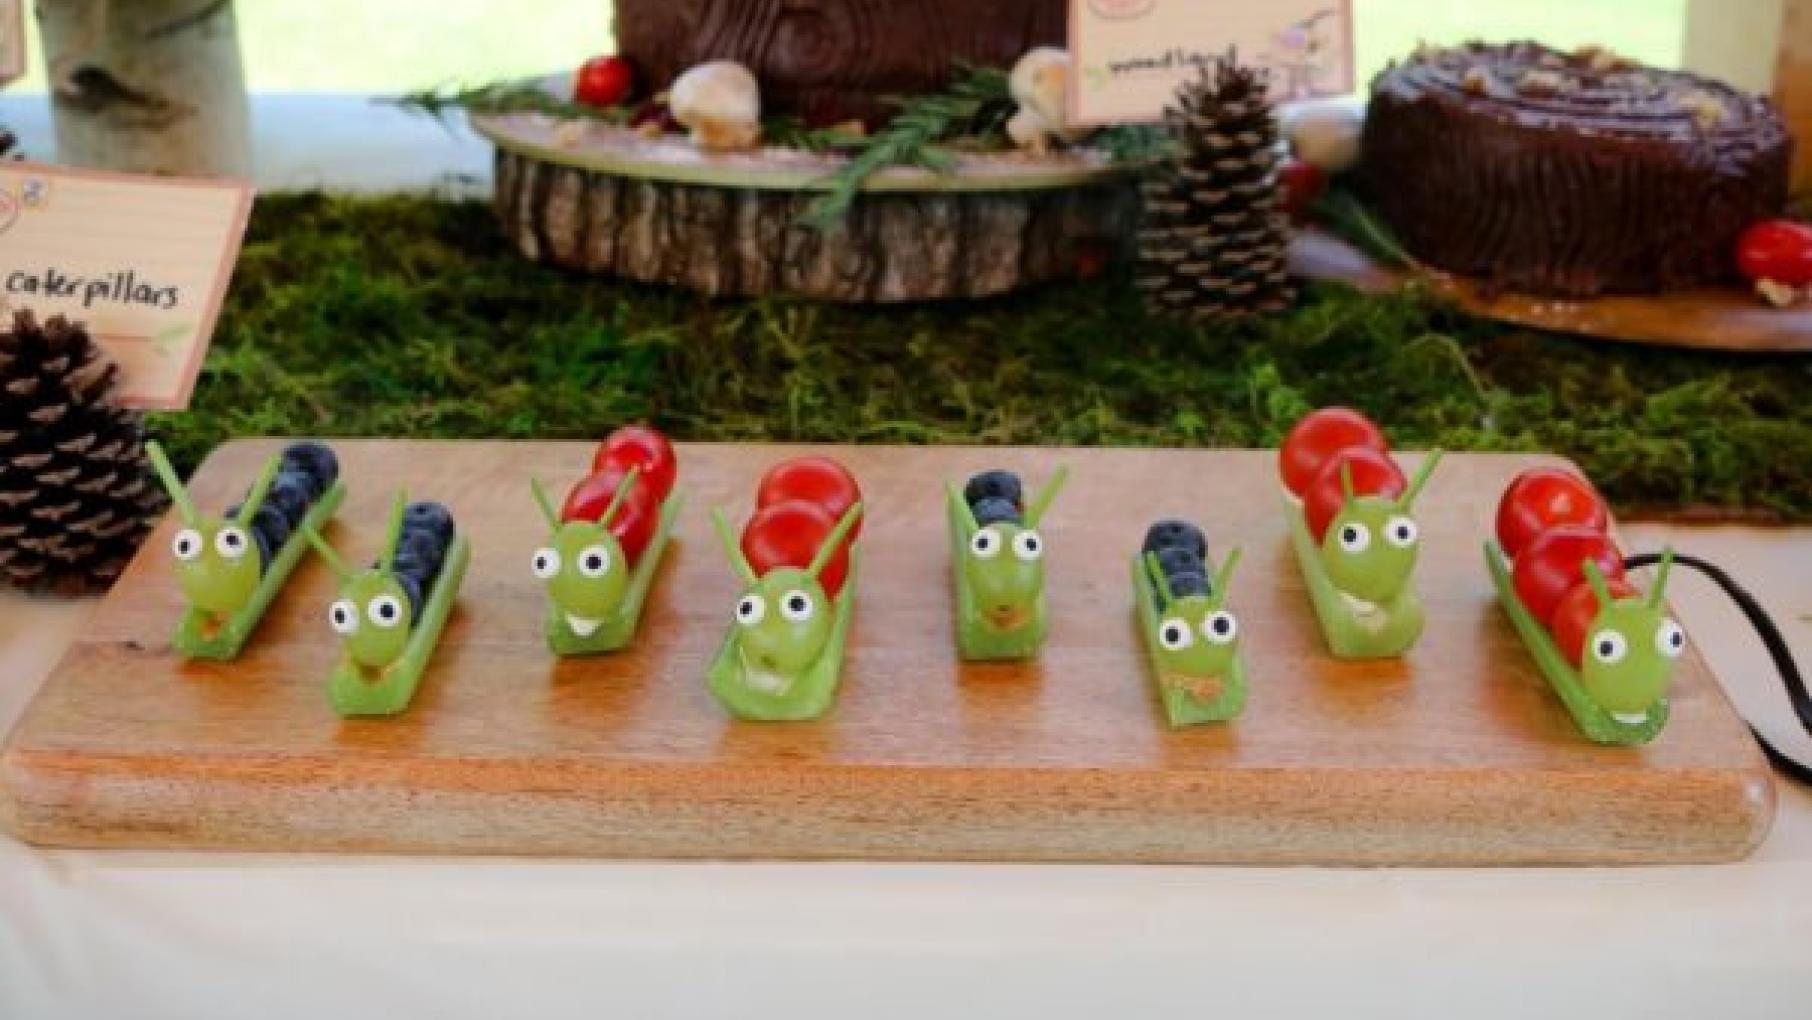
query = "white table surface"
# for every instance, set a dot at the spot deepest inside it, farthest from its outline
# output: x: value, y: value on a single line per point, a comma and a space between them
x: 191, y: 936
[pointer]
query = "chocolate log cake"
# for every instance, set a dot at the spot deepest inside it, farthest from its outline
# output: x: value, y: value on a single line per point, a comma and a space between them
x: 1569, y: 173
x: 828, y: 59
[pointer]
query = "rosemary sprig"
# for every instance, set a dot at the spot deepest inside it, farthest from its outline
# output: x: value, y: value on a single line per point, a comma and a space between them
x: 502, y: 98
x: 1133, y: 144
x: 1348, y: 217
x: 975, y: 106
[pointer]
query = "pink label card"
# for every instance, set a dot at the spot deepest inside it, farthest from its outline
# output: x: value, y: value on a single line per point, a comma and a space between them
x: 12, y: 40
x: 144, y: 261
x: 1130, y: 56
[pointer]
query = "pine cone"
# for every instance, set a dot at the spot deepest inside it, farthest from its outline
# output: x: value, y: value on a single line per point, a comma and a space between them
x: 76, y: 492
x: 1214, y: 241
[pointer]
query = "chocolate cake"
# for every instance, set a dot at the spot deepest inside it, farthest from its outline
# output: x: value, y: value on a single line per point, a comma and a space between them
x: 1569, y: 173
x: 833, y: 59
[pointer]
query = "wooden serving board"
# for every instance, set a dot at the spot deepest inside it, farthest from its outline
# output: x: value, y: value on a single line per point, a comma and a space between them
x: 1458, y: 754
x: 1728, y: 318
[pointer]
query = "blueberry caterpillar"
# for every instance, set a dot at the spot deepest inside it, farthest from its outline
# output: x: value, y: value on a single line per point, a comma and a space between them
x: 1191, y: 637
x: 999, y: 564
x: 231, y: 567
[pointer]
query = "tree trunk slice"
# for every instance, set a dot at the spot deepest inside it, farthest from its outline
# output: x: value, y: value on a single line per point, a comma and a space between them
x: 729, y: 225
x: 1728, y: 318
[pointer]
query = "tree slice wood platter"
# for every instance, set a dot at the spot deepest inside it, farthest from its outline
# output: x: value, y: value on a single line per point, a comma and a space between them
x: 1712, y: 318
x: 602, y: 198
x: 1456, y: 755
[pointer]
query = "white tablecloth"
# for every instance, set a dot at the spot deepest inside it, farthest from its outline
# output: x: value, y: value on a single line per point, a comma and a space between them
x: 192, y: 936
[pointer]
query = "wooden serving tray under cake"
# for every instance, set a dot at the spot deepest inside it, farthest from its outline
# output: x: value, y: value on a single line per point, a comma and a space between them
x: 1458, y: 754
x: 1731, y: 318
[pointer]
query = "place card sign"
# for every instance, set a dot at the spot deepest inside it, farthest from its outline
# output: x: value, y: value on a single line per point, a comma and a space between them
x: 12, y: 40
x: 1130, y: 56
x: 143, y: 261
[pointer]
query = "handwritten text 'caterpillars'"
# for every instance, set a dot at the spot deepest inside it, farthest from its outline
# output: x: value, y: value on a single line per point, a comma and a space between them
x: 123, y: 287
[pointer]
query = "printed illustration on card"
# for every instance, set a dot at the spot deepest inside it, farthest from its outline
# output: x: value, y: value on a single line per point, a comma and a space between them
x: 1131, y: 55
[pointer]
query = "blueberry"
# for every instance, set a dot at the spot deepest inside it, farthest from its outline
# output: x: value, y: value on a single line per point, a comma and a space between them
x: 994, y: 510
x: 317, y: 460
x: 1185, y: 585
x: 266, y: 549
x: 290, y: 495
x: 421, y: 546
x: 268, y: 522
x: 412, y: 590
x: 994, y: 485
x: 1177, y: 560
x: 430, y: 517
x: 1173, y: 534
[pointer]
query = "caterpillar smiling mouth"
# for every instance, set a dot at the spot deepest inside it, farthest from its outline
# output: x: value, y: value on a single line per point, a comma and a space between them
x: 1630, y: 718
x: 582, y: 626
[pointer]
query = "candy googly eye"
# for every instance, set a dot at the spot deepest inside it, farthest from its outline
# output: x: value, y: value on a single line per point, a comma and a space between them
x: 1028, y: 546
x: 594, y: 561
x: 231, y: 542
x: 344, y: 616
x: 797, y: 606
x: 1355, y: 537
x: 546, y: 563
x: 1670, y: 640
x: 751, y: 610
x: 1401, y: 532
x: 985, y: 544
x: 385, y: 610
x: 187, y: 545
x: 1220, y: 627
x: 1175, y: 635
x: 1609, y: 647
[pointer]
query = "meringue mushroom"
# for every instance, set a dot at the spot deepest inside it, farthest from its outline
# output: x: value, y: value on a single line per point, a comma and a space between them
x: 720, y: 103
x: 1040, y: 85
x: 1326, y: 135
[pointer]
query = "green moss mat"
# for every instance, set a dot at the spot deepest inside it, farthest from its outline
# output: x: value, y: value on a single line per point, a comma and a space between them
x: 412, y: 317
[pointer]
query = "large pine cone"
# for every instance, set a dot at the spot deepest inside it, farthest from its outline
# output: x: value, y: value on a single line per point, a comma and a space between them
x: 1214, y: 241
x: 76, y: 492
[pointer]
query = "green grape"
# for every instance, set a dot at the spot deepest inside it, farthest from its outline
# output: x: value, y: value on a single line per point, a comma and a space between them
x: 372, y: 617
x: 783, y: 622
x: 1005, y: 569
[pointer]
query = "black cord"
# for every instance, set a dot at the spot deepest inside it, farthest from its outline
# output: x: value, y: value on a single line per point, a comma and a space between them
x: 1771, y: 639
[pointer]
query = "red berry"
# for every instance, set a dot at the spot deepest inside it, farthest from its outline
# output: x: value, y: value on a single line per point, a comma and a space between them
x: 790, y: 534
x: 1299, y: 185
x: 1317, y: 437
x: 1577, y: 609
x: 642, y: 447
x: 1778, y: 250
x: 635, y: 521
x: 1373, y: 473
x: 1551, y: 565
x: 1544, y: 497
x: 604, y: 81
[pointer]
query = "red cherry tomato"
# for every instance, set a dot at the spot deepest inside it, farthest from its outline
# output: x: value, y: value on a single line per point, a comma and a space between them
x: 817, y: 480
x: 1552, y: 564
x: 1541, y: 498
x: 1778, y: 250
x: 1577, y: 609
x: 1320, y: 435
x: 643, y: 447
x: 635, y: 521
x: 1299, y: 185
x: 604, y: 81
x: 1374, y: 474
x: 789, y: 535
